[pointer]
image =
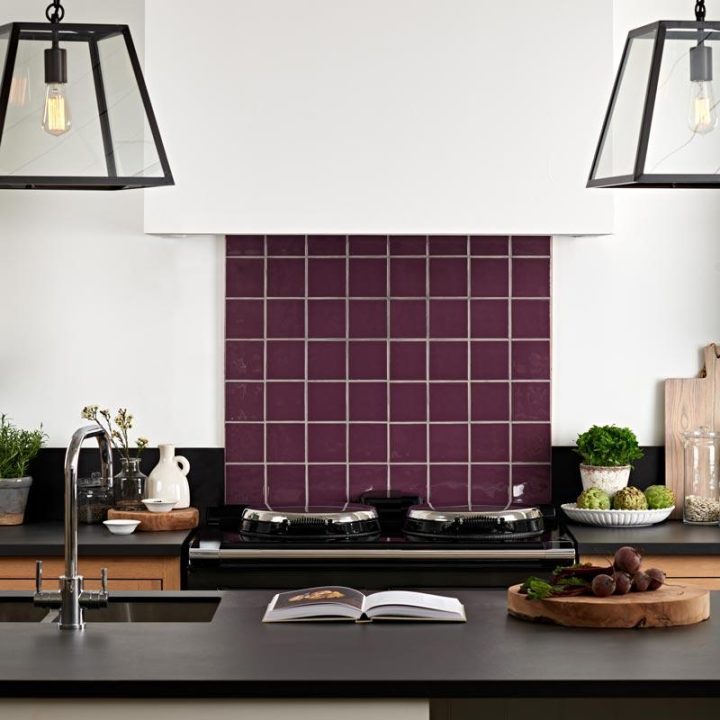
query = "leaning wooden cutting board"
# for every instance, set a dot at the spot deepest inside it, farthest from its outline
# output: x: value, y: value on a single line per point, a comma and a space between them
x: 669, y: 606
x: 185, y: 519
x: 689, y: 403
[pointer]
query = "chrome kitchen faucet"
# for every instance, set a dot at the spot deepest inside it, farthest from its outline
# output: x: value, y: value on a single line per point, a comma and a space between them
x: 71, y: 598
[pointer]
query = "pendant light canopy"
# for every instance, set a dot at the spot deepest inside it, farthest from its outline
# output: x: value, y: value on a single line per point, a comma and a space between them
x: 74, y: 109
x: 661, y: 127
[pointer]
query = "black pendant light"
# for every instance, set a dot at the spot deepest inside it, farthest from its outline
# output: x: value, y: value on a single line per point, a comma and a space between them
x: 661, y: 128
x: 74, y: 109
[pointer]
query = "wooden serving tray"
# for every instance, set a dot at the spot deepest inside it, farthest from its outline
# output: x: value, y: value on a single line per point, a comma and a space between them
x: 669, y: 606
x: 185, y: 519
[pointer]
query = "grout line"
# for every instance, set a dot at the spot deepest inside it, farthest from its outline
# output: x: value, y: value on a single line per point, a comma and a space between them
x: 265, y: 373
x: 510, y: 377
x: 395, y: 257
x: 401, y: 298
x: 468, y: 276
x: 347, y: 369
x: 306, y: 385
x: 380, y: 339
x: 428, y: 488
x: 388, y: 387
x: 369, y: 463
x: 395, y: 422
x: 291, y: 381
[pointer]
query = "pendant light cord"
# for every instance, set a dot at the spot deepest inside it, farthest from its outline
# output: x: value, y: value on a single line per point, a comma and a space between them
x: 55, y: 12
x: 700, y: 10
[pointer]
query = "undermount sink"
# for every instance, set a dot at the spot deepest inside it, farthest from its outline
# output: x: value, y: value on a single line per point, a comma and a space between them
x: 182, y: 610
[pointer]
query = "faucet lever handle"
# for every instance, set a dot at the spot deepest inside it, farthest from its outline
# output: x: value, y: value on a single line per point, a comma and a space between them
x: 38, y: 575
x: 104, y: 581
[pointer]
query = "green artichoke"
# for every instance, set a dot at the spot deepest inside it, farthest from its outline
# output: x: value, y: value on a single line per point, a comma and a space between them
x: 659, y: 496
x: 593, y: 499
x: 630, y: 498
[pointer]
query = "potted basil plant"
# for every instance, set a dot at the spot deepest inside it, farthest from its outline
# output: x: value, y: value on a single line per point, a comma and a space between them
x: 17, y: 448
x: 608, y: 452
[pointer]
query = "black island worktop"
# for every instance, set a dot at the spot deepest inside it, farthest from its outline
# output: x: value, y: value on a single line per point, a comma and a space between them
x: 236, y: 656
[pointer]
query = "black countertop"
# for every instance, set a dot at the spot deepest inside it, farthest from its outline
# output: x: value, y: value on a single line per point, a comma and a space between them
x: 47, y: 539
x: 668, y: 538
x: 235, y: 655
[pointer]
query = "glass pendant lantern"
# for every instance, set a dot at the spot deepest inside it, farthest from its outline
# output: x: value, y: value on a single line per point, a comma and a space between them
x: 75, y: 113
x: 661, y: 128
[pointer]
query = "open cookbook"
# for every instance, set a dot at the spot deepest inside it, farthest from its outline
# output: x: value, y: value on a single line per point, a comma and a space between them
x: 343, y: 603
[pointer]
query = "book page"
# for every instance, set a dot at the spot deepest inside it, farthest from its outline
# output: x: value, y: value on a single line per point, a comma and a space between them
x: 331, y: 600
x: 404, y: 598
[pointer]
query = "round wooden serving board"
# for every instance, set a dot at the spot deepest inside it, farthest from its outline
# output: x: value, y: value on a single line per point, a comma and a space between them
x: 669, y: 606
x: 185, y: 519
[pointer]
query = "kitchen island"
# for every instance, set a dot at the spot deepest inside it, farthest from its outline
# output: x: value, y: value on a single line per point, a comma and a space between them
x: 236, y: 657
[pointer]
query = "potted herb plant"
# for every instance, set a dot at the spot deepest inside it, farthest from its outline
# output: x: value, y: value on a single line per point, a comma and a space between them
x: 17, y: 448
x: 608, y: 452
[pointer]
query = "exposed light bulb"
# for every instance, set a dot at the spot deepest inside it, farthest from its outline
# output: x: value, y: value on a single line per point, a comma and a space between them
x: 57, y: 119
x: 703, y: 115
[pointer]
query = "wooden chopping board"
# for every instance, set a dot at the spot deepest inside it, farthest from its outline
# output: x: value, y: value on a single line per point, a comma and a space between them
x: 185, y: 519
x: 689, y: 403
x: 669, y: 606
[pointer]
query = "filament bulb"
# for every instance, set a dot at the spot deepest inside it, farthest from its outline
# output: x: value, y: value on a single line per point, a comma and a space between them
x: 56, y: 115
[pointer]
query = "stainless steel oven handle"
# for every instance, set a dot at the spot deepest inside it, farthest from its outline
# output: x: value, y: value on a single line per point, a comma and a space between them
x: 379, y: 554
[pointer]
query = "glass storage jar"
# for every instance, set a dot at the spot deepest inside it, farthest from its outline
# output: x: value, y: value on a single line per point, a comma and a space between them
x: 130, y: 485
x: 94, y: 499
x: 702, y: 493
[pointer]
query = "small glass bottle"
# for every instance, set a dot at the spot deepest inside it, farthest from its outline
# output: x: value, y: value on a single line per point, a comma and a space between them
x: 94, y: 499
x: 130, y: 485
x: 702, y: 492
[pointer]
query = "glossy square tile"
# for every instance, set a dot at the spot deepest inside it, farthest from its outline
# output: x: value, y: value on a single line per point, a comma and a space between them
x: 449, y: 443
x: 448, y: 319
x: 531, y: 360
x: 368, y: 244
x: 285, y: 244
x: 532, y: 484
x: 449, y: 485
x: 531, y: 442
x: 244, y: 401
x: 244, y: 484
x: 408, y: 244
x: 326, y: 244
x: 489, y: 245
x: 531, y: 277
x: 238, y: 245
x: 244, y: 442
x: 490, y: 360
x: 285, y: 442
x: 327, y: 485
x: 448, y: 277
x: 531, y: 245
x: 489, y: 277
x: 448, y: 360
x: 367, y: 478
x: 448, y: 401
x: 489, y: 319
x: 408, y: 443
x: 244, y: 319
x: 448, y: 245
x: 531, y: 318
x: 531, y: 401
x: 407, y: 277
x: 368, y: 442
x: 407, y: 360
x: 368, y: 277
x: 285, y: 400
x: 326, y: 443
x: 490, y: 485
x: 409, y: 480
x: 326, y: 318
x: 326, y: 277
x: 244, y: 360
x: 490, y: 443
x: 285, y: 360
x: 408, y: 402
x: 368, y: 401
x: 244, y: 278
x: 286, y: 486
x: 408, y: 319
x: 368, y: 318
x: 326, y: 360
x: 286, y: 277
x: 326, y: 401
x: 286, y: 318
x: 490, y: 401
x: 368, y: 360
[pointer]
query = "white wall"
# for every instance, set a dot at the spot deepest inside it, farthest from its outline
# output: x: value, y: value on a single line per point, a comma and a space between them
x: 94, y: 311
x: 377, y: 116
x: 635, y: 307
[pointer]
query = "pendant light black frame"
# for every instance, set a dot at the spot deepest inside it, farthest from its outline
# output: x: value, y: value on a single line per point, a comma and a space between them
x: 640, y: 178
x: 90, y: 34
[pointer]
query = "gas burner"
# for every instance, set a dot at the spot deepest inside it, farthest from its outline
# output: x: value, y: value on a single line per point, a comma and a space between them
x: 345, y: 522
x: 473, y: 523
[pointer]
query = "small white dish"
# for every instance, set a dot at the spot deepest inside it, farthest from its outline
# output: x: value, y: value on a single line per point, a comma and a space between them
x: 616, y: 518
x: 159, y: 505
x: 121, y: 527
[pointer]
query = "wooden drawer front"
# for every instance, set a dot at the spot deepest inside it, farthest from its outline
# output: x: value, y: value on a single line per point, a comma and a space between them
x: 90, y: 584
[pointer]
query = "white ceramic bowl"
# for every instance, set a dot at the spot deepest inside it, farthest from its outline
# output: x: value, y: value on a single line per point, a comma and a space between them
x: 616, y: 518
x: 121, y: 527
x: 159, y: 505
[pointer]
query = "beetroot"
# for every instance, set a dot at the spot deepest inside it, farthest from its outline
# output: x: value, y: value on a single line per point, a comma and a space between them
x: 623, y: 582
x: 641, y: 582
x: 603, y: 585
x: 627, y: 559
x: 657, y: 578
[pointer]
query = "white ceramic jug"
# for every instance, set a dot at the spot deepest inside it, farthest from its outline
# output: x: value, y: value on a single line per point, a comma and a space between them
x: 168, y: 480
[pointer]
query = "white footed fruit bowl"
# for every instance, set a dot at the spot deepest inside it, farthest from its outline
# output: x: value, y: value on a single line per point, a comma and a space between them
x: 616, y: 518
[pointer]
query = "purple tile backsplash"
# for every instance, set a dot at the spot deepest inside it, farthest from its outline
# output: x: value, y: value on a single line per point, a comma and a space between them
x: 411, y: 363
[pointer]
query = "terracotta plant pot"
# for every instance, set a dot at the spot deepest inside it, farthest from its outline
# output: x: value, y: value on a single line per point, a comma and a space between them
x: 13, y: 499
x: 609, y: 479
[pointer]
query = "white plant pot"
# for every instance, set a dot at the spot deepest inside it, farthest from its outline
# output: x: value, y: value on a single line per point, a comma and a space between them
x: 609, y: 479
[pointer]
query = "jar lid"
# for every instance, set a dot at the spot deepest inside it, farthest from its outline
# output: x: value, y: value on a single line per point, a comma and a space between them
x: 701, y: 433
